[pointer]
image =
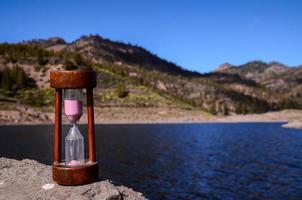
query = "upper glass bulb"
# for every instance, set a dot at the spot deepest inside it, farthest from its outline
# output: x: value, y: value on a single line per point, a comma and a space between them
x: 73, y: 104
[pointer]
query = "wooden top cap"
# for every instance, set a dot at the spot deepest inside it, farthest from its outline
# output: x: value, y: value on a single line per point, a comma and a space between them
x: 73, y: 79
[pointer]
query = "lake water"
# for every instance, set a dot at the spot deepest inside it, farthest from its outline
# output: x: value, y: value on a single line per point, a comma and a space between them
x: 183, y: 161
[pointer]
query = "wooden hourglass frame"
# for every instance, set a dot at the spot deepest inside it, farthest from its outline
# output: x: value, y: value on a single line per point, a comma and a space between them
x: 88, y: 172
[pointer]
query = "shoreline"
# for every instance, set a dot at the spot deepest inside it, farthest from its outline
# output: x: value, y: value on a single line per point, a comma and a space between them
x: 147, y: 122
x: 124, y: 116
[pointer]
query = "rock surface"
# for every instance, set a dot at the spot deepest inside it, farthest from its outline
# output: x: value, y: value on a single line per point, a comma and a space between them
x: 28, y: 179
x: 293, y: 124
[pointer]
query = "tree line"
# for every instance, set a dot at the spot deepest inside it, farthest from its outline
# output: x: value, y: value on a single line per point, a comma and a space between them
x: 13, y: 79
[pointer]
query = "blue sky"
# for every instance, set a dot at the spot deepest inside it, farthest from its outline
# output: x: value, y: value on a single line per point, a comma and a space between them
x: 196, y: 34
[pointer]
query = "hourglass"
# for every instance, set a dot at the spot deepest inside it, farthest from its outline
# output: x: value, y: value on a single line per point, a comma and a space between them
x: 75, y: 170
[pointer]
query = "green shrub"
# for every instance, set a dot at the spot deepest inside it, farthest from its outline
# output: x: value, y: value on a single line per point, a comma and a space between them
x: 36, y: 97
x: 14, y: 79
x: 121, y: 91
x: 212, y: 109
x: 70, y: 67
x: 225, y: 109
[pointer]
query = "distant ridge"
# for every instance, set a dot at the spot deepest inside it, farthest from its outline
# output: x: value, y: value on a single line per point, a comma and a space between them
x: 223, y: 67
x: 254, y: 87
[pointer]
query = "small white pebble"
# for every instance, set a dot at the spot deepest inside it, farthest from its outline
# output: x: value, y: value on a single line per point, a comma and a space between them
x: 48, y: 186
x: 1, y: 183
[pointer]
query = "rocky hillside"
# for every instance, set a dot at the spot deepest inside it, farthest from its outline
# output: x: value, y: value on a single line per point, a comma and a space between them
x: 131, y: 76
x: 273, y: 76
x: 100, y: 50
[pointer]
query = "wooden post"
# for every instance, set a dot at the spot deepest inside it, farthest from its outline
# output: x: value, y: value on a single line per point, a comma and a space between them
x: 58, y: 126
x: 91, y: 139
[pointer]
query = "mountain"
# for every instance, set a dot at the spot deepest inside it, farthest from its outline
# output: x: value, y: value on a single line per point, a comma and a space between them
x: 99, y: 50
x: 223, y: 67
x: 274, y: 76
x: 256, y: 70
x: 130, y: 75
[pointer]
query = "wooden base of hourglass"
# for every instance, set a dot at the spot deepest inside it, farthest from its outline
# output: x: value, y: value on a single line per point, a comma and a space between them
x: 76, y: 175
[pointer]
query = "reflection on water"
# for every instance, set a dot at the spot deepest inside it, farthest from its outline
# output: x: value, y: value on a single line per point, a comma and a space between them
x: 183, y: 161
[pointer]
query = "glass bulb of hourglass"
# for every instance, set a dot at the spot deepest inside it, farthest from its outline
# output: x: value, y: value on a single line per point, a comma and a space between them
x: 73, y: 104
x: 74, y: 147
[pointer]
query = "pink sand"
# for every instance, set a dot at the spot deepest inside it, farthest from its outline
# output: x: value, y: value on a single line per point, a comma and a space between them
x: 74, y: 163
x: 73, y: 110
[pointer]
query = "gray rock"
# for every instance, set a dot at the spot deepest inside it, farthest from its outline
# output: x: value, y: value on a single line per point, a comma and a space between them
x: 293, y: 124
x: 28, y: 179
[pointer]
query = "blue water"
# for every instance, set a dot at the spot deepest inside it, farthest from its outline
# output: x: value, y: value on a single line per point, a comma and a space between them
x: 184, y: 161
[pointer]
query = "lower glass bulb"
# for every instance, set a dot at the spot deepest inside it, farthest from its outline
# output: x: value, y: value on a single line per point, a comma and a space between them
x: 74, y: 147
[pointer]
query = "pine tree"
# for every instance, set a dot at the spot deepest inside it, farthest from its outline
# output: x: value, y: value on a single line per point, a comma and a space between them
x: 41, y: 60
x: 245, y: 110
x: 212, y: 109
x: 20, y: 78
x: 220, y: 109
x: 67, y: 61
x: 78, y: 59
x: 6, y: 79
x: 225, y: 109
x: 121, y: 91
x: 239, y: 109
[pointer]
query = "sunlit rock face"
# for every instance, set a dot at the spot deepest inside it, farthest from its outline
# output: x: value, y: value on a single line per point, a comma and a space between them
x: 28, y: 179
